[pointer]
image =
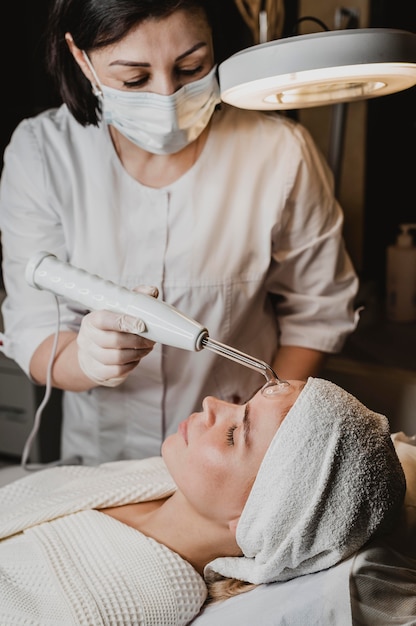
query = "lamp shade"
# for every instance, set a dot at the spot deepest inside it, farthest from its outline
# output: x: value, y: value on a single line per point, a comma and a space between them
x: 319, y: 69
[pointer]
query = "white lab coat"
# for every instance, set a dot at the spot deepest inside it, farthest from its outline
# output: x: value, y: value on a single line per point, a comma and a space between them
x: 254, y: 216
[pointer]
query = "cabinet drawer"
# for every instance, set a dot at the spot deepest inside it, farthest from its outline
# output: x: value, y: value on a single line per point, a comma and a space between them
x: 17, y: 409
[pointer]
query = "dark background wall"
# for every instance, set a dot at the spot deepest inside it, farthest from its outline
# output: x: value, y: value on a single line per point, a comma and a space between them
x: 25, y: 86
x: 391, y: 154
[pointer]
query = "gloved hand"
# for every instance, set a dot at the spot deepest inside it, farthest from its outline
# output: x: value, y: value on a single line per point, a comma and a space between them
x: 108, y: 345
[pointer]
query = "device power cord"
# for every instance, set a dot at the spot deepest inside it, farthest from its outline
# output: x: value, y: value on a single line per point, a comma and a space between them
x: 75, y: 460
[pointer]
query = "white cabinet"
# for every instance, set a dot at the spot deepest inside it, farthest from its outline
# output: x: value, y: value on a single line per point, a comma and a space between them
x: 19, y: 401
x: 18, y: 405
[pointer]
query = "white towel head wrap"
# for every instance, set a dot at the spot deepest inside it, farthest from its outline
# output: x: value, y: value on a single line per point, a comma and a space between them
x: 330, y: 480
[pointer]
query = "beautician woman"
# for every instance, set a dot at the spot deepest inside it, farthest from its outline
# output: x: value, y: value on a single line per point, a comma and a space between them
x: 145, y: 178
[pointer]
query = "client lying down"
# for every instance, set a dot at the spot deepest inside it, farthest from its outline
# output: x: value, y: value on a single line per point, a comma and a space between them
x: 284, y: 485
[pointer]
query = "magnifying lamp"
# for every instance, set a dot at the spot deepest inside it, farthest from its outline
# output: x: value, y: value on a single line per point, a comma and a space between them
x: 320, y: 69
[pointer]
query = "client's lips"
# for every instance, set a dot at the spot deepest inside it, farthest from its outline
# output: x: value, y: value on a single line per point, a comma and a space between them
x: 183, y: 430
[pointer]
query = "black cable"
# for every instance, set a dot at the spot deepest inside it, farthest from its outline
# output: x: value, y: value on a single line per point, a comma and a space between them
x: 311, y: 19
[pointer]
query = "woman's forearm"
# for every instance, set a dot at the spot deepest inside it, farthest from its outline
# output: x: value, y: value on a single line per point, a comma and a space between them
x: 296, y: 363
x: 66, y: 372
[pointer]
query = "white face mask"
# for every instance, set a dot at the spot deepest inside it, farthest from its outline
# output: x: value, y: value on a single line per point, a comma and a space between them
x: 156, y: 123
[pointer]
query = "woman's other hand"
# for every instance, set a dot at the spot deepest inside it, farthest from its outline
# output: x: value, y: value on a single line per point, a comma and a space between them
x: 110, y: 345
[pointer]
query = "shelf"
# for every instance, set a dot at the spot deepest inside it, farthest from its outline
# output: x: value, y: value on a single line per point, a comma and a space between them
x: 391, y: 344
x: 378, y: 366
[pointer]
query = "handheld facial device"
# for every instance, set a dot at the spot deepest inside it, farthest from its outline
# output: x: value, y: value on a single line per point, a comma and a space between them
x: 164, y: 323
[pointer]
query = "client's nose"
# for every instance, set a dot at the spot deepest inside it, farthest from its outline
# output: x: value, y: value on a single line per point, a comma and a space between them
x: 215, y: 409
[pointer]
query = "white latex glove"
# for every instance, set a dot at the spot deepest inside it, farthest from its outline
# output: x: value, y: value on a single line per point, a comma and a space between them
x: 109, y: 347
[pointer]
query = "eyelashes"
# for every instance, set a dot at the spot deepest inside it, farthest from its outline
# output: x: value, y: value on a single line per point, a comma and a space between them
x: 142, y: 80
x: 230, y: 435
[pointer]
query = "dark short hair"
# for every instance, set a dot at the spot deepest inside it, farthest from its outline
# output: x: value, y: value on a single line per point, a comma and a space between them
x: 94, y: 24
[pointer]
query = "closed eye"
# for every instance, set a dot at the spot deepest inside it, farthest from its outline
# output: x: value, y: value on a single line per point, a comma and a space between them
x: 131, y: 84
x: 230, y: 435
x: 189, y: 71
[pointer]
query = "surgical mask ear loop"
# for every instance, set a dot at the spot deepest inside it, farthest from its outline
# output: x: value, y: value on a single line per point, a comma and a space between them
x: 96, y: 89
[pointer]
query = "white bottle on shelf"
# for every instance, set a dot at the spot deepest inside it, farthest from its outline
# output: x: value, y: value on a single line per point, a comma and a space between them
x: 401, y: 277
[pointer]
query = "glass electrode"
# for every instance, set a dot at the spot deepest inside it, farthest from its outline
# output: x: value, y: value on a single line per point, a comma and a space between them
x: 273, y: 383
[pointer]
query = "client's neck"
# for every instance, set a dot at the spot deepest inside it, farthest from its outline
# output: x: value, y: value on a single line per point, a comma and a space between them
x: 181, y: 528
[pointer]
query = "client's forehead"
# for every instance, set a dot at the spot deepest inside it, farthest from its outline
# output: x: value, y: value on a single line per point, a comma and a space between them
x: 287, y: 386
x: 274, y: 408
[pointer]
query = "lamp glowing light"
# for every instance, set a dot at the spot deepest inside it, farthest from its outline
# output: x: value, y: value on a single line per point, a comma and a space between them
x: 320, y: 69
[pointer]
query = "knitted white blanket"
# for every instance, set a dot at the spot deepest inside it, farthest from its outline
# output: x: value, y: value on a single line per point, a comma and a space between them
x: 83, y: 568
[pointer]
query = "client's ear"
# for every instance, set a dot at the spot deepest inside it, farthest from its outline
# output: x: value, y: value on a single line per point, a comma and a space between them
x: 232, y: 525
